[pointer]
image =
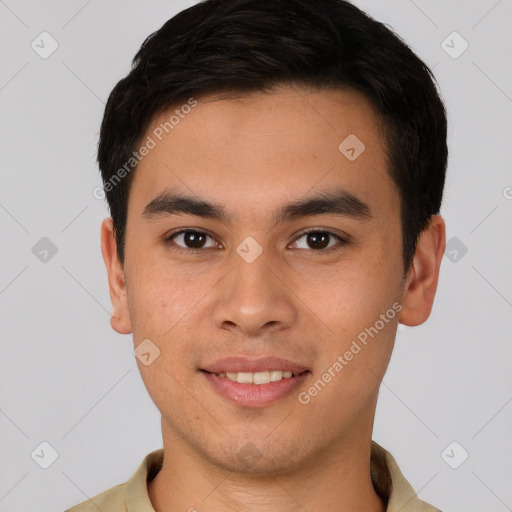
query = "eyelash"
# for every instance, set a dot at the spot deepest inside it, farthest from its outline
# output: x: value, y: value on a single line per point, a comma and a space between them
x: 341, y: 241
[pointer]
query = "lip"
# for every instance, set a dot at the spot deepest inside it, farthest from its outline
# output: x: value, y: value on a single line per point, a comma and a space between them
x: 254, y: 395
x: 247, y: 364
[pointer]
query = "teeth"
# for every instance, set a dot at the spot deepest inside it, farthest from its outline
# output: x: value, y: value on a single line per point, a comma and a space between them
x: 276, y: 375
x: 244, y: 378
x: 260, y: 378
x: 256, y: 377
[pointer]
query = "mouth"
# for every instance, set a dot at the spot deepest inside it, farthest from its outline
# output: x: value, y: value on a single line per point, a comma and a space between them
x: 258, y: 378
x: 254, y: 382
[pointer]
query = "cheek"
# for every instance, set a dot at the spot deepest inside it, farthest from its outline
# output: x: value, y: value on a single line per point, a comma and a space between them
x: 164, y: 307
x: 162, y: 311
x: 360, y: 306
x: 161, y: 298
x: 353, y: 295
x: 353, y: 364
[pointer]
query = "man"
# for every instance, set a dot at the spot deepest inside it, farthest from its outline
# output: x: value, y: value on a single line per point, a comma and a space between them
x: 274, y: 171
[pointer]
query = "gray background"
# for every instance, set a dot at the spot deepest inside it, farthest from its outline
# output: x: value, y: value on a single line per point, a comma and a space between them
x: 69, y: 380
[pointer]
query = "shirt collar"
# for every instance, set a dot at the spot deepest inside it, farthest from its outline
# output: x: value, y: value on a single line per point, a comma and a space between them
x: 389, y: 482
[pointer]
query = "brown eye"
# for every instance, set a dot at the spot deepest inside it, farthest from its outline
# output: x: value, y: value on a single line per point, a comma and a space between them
x: 192, y: 239
x: 318, y: 240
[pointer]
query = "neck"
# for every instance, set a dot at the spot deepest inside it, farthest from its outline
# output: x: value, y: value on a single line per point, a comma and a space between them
x: 336, y: 479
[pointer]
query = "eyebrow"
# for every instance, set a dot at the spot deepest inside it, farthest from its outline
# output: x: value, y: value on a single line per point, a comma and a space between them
x: 327, y: 202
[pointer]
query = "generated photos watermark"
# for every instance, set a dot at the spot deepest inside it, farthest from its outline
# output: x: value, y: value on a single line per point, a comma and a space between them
x: 150, y: 143
x: 304, y: 397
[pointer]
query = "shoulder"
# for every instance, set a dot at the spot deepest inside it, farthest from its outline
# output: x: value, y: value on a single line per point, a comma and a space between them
x: 391, y: 483
x: 112, y: 500
x: 132, y: 495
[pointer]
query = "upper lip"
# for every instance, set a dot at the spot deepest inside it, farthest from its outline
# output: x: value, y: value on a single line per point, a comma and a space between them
x: 250, y: 364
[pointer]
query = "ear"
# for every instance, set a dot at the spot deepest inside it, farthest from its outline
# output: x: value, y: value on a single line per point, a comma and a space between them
x: 120, y: 320
x: 423, y: 274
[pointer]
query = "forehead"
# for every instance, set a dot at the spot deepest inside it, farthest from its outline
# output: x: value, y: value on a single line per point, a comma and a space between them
x: 265, y: 148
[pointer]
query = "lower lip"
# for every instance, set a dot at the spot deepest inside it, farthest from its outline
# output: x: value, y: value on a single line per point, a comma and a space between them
x: 254, y: 395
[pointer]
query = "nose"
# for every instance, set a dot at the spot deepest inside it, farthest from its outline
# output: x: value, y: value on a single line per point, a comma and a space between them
x: 254, y: 298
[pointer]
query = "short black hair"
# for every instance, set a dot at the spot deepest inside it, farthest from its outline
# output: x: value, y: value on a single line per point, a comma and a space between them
x: 248, y: 46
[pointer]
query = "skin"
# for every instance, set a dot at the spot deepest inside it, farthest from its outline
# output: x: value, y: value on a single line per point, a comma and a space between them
x: 252, y: 155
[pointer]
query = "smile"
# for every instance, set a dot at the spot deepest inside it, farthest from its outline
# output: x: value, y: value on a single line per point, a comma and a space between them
x: 257, y: 377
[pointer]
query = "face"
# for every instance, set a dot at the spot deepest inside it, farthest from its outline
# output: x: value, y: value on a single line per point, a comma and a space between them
x: 257, y: 246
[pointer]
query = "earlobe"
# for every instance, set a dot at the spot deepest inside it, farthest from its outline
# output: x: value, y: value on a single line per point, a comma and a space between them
x: 120, y: 320
x: 423, y: 274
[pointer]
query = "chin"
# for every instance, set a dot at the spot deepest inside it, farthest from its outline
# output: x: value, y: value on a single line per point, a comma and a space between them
x: 258, y: 457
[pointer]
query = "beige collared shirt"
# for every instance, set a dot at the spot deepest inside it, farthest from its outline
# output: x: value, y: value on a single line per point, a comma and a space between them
x: 132, y: 496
